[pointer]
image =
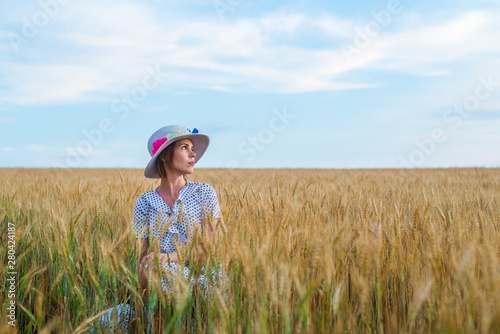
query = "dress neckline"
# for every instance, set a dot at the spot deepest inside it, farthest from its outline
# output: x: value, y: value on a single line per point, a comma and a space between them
x: 179, y: 197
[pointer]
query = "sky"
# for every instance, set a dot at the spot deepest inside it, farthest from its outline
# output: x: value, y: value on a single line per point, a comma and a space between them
x: 274, y: 84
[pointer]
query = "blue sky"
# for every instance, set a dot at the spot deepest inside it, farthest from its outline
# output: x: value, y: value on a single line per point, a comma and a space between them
x: 314, y: 84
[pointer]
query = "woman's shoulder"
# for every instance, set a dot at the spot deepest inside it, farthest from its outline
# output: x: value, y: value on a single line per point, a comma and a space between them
x: 202, y: 191
x: 151, y: 200
x: 201, y: 187
x: 147, y: 194
x: 146, y: 197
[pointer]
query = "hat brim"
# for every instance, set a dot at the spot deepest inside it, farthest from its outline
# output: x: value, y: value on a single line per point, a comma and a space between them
x: 200, y: 143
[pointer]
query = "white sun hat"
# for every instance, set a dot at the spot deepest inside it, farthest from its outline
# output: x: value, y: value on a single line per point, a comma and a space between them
x: 168, y: 135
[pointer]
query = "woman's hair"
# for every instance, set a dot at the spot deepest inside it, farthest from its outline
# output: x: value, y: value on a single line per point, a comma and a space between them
x: 168, y: 154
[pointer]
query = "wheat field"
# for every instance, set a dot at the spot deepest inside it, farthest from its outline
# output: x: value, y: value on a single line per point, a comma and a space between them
x: 315, y: 251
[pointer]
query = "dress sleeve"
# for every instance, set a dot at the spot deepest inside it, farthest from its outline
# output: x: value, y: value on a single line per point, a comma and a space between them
x: 211, y: 202
x: 141, y: 223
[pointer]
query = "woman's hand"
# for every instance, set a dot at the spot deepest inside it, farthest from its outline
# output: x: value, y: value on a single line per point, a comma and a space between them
x: 148, y: 260
x: 164, y: 257
x: 147, y: 263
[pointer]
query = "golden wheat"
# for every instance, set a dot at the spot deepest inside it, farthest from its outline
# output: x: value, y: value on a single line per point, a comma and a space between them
x: 303, y: 251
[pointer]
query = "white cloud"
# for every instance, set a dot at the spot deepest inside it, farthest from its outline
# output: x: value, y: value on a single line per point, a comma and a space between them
x: 96, y: 50
x: 430, y: 50
x: 35, y: 83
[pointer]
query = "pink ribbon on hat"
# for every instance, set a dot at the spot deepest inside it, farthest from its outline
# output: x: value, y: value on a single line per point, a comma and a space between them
x: 157, y: 144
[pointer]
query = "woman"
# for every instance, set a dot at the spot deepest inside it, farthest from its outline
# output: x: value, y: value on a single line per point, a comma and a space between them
x: 172, y: 213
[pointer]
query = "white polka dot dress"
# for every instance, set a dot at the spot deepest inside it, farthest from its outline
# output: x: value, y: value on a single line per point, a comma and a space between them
x: 175, y: 226
x: 116, y: 318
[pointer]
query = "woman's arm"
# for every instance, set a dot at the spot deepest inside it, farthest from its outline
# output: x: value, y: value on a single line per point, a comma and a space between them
x: 209, y: 236
x: 144, y: 244
x: 146, y: 261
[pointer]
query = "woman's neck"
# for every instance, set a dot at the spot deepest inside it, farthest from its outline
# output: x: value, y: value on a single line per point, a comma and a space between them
x: 171, y: 187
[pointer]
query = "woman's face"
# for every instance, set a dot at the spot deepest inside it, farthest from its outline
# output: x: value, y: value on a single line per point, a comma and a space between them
x: 183, y: 159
